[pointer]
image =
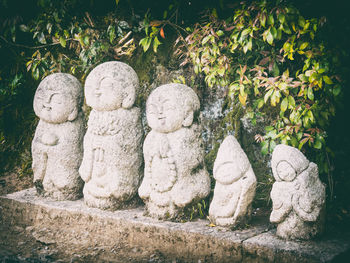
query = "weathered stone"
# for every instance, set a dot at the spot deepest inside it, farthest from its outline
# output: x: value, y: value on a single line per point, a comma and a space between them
x: 94, y: 235
x: 57, y: 144
x: 235, y: 185
x: 111, y: 166
x: 175, y: 174
x: 267, y: 247
x: 298, y: 195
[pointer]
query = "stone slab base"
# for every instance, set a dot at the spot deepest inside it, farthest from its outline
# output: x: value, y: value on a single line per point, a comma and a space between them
x: 71, y: 231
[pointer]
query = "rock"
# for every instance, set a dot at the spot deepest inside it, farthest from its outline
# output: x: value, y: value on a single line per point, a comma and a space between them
x: 57, y: 143
x: 175, y: 174
x: 298, y: 195
x: 111, y: 167
x: 235, y: 185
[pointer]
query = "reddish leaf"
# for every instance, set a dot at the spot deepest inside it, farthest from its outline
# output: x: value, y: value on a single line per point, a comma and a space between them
x: 264, y: 61
x: 162, y: 33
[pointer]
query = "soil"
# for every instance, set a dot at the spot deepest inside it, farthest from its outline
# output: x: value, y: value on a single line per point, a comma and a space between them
x: 12, y: 182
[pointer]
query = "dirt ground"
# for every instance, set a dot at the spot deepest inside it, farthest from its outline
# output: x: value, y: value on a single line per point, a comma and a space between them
x: 12, y: 182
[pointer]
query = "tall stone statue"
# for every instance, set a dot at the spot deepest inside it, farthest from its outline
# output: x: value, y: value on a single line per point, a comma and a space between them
x: 111, y: 166
x: 57, y: 144
x: 298, y: 195
x: 235, y: 185
x: 175, y: 175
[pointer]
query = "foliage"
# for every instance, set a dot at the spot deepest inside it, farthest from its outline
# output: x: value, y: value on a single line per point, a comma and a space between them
x: 78, y: 45
x: 55, y: 38
x: 275, y: 63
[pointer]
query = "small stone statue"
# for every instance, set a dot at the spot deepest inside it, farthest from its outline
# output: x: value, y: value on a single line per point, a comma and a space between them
x: 175, y: 175
x: 298, y: 195
x: 111, y: 166
x: 57, y: 144
x: 235, y: 185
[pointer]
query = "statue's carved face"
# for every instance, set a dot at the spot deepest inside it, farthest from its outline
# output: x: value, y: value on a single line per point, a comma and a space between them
x: 285, y: 172
x: 54, y: 106
x: 165, y: 113
x: 104, y: 94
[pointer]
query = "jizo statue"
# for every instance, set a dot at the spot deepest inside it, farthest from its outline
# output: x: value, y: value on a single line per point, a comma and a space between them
x: 111, y: 166
x: 175, y: 175
x: 57, y: 144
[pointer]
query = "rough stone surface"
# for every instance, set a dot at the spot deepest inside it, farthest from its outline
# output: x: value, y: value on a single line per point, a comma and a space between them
x: 57, y: 144
x: 235, y: 185
x: 267, y: 247
x: 69, y: 231
x: 298, y: 195
x: 175, y: 174
x: 111, y: 166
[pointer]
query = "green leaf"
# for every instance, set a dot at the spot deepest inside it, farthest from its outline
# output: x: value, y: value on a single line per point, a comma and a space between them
x: 145, y: 43
x: 206, y: 39
x: 269, y: 37
x: 336, y: 90
x: 267, y: 95
x: 281, y: 18
x: 111, y: 33
x: 263, y: 19
x: 284, y: 104
x: 260, y: 103
x: 318, y: 144
x: 220, y: 33
x: 291, y: 102
x: 41, y: 38
x: 272, y: 145
x: 310, y: 93
x: 294, y: 141
x: 156, y: 43
x: 221, y: 71
x: 62, y: 41
x: 36, y: 74
x: 49, y: 28
x: 273, y: 32
x: 304, y: 45
x: 250, y: 44
x: 245, y: 32
x: 24, y: 28
x: 301, y: 21
x: 286, y: 29
x: 327, y: 80
x: 264, y: 147
x: 275, y: 70
x: 269, y: 128
x: 86, y: 40
x: 270, y: 20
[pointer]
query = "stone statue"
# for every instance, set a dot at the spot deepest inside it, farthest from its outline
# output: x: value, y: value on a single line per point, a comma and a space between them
x: 298, y: 196
x: 111, y: 166
x: 57, y: 144
x: 235, y: 185
x: 175, y: 175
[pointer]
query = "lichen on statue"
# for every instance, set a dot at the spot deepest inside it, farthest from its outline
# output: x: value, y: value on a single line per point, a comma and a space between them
x: 57, y: 143
x: 298, y: 195
x: 111, y: 166
x: 175, y: 175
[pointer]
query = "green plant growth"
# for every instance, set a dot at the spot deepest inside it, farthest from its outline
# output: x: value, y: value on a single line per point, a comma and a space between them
x: 274, y: 61
x: 78, y: 45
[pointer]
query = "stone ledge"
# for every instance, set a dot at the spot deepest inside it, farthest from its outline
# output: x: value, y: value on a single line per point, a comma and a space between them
x: 71, y: 228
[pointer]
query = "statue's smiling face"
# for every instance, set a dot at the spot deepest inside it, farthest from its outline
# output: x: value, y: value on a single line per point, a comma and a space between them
x: 104, y: 94
x: 53, y: 106
x: 164, y: 113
